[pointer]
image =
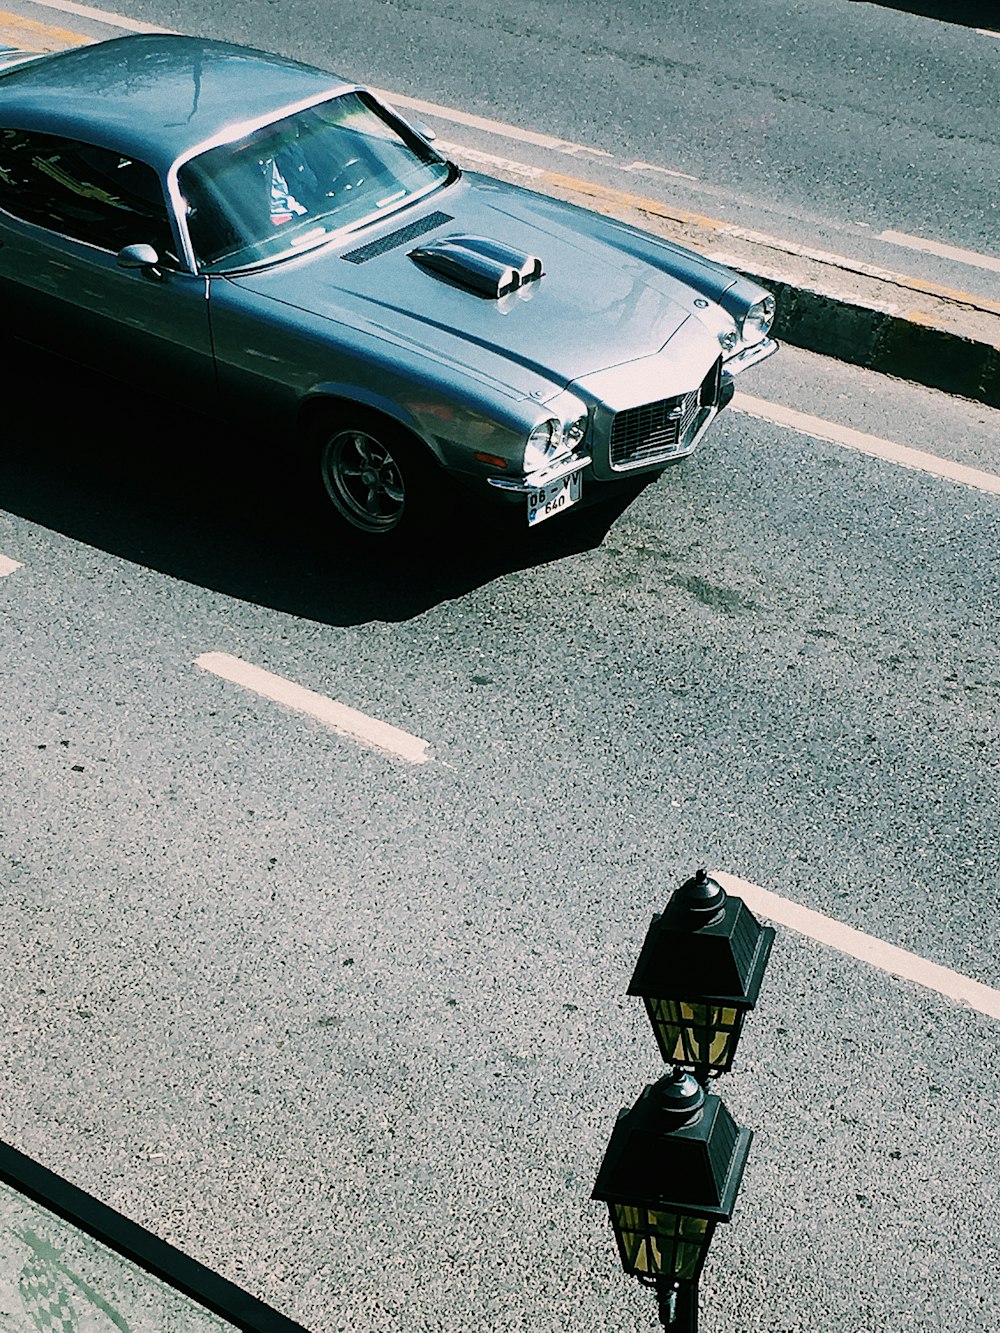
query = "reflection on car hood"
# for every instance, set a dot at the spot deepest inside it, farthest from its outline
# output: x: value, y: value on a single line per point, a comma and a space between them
x: 595, y: 306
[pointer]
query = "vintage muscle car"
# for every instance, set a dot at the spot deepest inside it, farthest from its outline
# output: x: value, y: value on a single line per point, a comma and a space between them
x: 265, y: 240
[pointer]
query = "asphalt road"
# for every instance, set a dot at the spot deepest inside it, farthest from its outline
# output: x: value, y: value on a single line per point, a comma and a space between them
x: 793, y: 115
x: 354, y: 1031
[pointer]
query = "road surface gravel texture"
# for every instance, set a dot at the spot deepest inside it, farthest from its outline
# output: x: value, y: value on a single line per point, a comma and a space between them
x: 354, y: 1031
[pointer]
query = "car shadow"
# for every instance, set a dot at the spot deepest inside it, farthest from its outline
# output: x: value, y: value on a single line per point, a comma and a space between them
x: 201, y: 502
x: 965, y: 13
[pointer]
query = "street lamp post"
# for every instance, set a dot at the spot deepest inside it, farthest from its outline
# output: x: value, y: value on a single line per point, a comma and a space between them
x: 671, y: 1172
x: 675, y: 1161
x: 699, y: 972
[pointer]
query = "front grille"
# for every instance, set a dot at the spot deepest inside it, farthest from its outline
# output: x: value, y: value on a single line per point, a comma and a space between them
x: 657, y: 431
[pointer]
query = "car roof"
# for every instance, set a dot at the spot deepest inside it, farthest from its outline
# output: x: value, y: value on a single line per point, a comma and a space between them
x: 157, y: 96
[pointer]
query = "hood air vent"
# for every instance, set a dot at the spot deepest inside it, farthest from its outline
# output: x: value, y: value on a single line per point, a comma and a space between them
x: 396, y: 238
x: 485, y: 267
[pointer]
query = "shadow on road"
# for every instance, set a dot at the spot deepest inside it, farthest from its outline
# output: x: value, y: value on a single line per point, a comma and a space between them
x: 199, y: 502
x: 967, y: 13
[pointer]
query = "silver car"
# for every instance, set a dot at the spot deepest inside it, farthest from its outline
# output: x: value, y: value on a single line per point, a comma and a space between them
x: 263, y: 240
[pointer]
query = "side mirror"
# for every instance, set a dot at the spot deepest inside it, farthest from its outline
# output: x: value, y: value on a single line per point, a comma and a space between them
x: 140, y: 256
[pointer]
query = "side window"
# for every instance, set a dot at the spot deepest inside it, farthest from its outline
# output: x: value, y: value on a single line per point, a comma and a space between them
x: 88, y: 193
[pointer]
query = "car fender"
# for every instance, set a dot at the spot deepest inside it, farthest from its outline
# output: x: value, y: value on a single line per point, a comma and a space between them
x: 285, y: 360
x: 334, y: 396
x: 451, y: 427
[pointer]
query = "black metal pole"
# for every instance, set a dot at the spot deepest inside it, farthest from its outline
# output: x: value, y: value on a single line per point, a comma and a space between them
x: 678, y: 1305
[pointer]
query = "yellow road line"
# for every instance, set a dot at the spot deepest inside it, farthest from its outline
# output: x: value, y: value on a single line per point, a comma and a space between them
x: 625, y: 199
x: 32, y: 36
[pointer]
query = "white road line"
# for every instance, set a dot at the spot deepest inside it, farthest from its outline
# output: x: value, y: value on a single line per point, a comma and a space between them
x: 497, y: 127
x: 872, y: 445
x: 7, y: 566
x: 346, y: 721
x: 971, y: 257
x: 660, y: 171
x: 464, y: 154
x: 866, y: 948
x: 99, y: 16
x: 908, y: 281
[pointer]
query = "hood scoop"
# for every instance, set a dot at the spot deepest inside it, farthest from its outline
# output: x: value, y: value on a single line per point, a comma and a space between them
x: 488, y: 268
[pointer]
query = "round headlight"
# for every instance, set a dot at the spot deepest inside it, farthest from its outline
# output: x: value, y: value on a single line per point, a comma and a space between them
x: 758, y: 320
x: 544, y: 442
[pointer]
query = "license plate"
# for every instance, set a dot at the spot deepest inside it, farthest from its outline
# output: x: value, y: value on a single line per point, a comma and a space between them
x: 554, y: 498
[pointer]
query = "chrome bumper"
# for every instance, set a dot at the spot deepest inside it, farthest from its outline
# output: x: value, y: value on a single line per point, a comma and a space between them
x: 565, y: 467
x: 750, y: 356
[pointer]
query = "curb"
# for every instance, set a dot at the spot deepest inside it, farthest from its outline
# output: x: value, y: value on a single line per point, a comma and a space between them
x: 879, y: 340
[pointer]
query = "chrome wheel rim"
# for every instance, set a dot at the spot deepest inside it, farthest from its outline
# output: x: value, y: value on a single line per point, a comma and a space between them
x: 363, y: 480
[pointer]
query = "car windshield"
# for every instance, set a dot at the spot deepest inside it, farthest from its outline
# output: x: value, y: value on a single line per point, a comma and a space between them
x: 287, y: 186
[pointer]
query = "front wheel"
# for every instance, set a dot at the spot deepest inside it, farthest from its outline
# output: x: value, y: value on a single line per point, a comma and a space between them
x: 374, y: 477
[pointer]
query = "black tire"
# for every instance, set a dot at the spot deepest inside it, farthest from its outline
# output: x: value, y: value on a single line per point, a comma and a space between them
x: 375, y: 478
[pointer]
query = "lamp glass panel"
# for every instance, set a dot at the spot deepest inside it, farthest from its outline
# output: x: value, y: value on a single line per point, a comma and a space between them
x: 658, y: 1243
x: 696, y: 1034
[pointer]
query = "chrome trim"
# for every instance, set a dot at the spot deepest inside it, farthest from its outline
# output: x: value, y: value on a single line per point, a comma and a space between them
x: 682, y: 364
x: 656, y: 433
x: 750, y: 356
x: 705, y: 414
x: 12, y: 56
x: 536, y: 480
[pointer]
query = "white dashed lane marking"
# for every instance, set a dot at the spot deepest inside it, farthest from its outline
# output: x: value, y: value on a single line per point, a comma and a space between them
x: 346, y: 721
x: 481, y: 159
x: 659, y: 171
x: 99, y: 16
x: 866, y: 948
x: 496, y: 127
x: 861, y: 443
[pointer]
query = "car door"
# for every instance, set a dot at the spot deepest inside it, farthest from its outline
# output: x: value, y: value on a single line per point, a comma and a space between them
x: 67, y: 209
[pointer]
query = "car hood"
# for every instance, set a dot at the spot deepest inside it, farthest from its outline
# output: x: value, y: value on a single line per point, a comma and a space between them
x: 595, y: 306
